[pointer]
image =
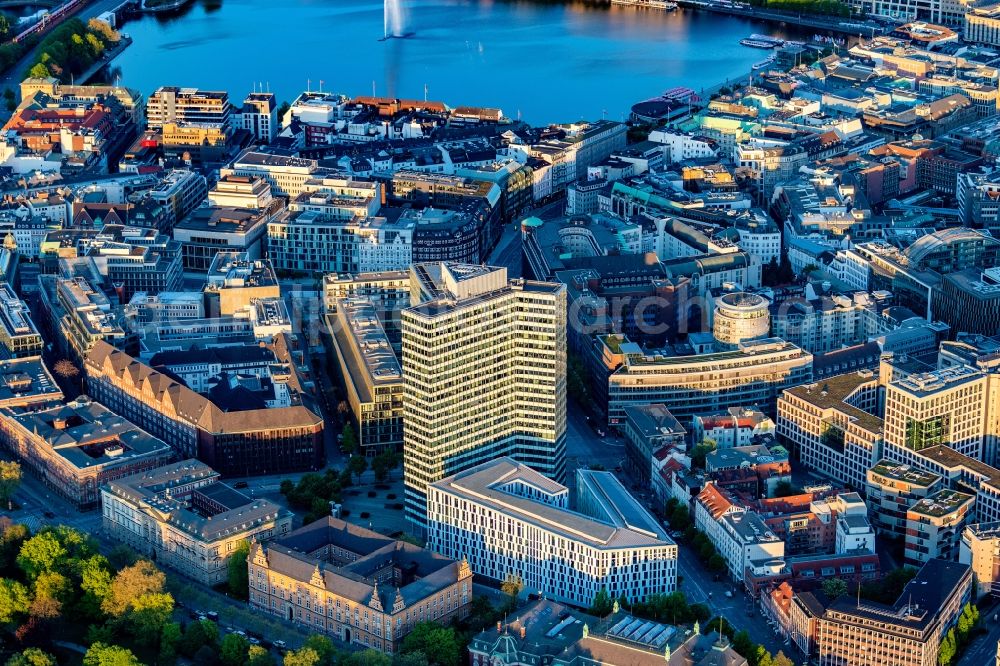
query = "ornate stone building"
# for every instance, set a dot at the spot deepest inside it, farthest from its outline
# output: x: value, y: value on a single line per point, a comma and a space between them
x: 334, y: 578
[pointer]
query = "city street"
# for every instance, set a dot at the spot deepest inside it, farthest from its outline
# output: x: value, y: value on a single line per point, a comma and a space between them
x: 508, y: 249
x: 699, y: 586
x: 982, y: 651
x: 584, y: 448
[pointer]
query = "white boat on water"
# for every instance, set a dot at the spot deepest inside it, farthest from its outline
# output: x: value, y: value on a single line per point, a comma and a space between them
x: 762, y: 64
x: 757, y: 44
x: 665, y: 5
x: 767, y: 38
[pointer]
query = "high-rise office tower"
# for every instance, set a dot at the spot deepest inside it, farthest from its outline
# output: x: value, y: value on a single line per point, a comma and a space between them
x: 484, y: 368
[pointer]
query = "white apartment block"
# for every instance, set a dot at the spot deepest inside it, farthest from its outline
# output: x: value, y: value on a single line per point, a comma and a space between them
x: 287, y: 176
x: 180, y: 192
x: 770, y: 164
x: 259, y: 116
x: 980, y: 549
x: 854, y: 531
x: 681, y: 146
x: 832, y: 425
x: 509, y: 520
x: 852, y: 269
x: 188, y: 105
x: 744, y: 540
x: 484, y: 368
x: 829, y: 323
x: 941, y: 12
x: 144, y: 308
x: 301, y: 240
x: 741, y: 537
x: 737, y: 426
x: 955, y: 406
x: 753, y: 374
x: 241, y: 192
x: 934, y: 526
x: 760, y: 238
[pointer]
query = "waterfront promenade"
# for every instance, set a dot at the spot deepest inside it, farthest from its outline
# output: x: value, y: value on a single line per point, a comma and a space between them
x: 12, y: 77
x: 841, y: 25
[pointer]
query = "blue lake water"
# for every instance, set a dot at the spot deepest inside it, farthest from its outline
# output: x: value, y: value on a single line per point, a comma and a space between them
x: 546, y: 62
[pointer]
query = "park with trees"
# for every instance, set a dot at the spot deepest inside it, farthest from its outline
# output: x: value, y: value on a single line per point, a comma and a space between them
x: 71, y: 48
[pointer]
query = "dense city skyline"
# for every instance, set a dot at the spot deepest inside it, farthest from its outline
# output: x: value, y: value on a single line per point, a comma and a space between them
x: 704, y: 374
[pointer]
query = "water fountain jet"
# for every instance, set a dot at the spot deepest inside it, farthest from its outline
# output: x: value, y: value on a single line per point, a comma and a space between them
x: 393, y: 20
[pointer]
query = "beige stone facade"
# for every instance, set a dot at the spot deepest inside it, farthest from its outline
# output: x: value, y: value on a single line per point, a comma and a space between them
x: 337, y: 579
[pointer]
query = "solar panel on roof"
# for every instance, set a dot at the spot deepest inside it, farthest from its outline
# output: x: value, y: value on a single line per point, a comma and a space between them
x: 621, y: 623
x: 631, y: 628
x: 662, y: 639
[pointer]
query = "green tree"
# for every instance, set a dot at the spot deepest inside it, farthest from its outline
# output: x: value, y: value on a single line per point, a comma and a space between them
x: 205, y: 656
x: 51, y: 591
x: 716, y: 562
x: 348, y: 440
x: 948, y: 649
x: 963, y: 626
x: 602, y: 604
x: 282, y: 110
x: 10, y: 479
x: 743, y: 644
x: 11, y: 540
x: 103, y: 30
x: 32, y: 657
x: 512, y: 585
x: 148, y: 614
x: 304, y: 656
x: 170, y: 637
x: 233, y: 650
x: 122, y: 556
x: 410, y: 659
x: 680, y: 518
x: 42, y: 552
x: 100, y: 654
x: 834, y: 588
x: 357, y: 465
x: 39, y: 71
x: 14, y: 600
x: 258, y: 656
x: 130, y: 584
x: 785, y: 489
x: 439, y: 644
x: 699, y: 453
x: 384, y: 463
x: 368, y: 657
x: 95, y: 45
x: 95, y: 582
x: 100, y: 633
x: 781, y: 660
x: 198, y: 635
x: 763, y: 657
x: 323, y: 646
x: 239, y: 578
